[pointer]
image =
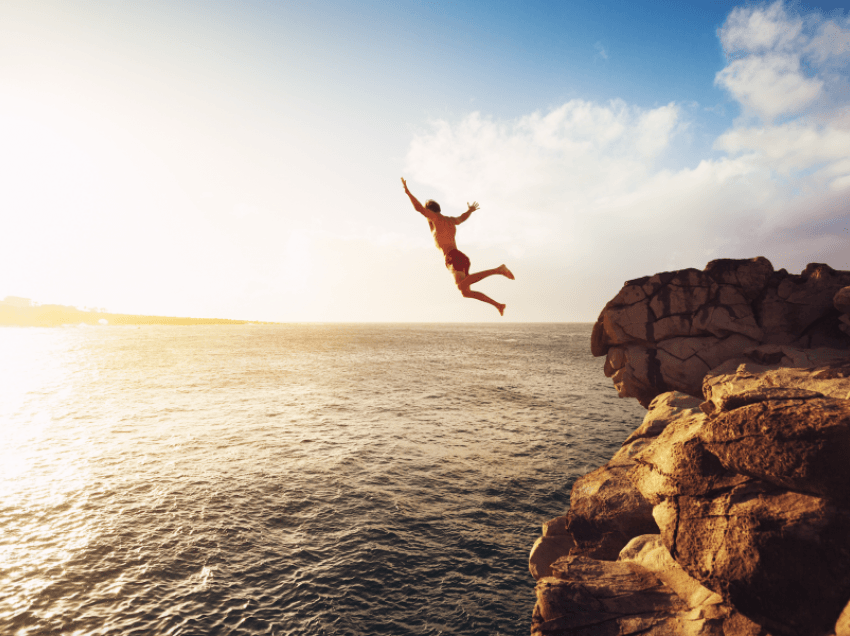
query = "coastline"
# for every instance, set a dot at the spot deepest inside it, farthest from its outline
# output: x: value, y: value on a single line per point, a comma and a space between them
x: 57, y: 315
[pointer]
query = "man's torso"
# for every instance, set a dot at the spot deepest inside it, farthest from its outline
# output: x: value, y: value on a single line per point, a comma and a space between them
x: 443, y: 230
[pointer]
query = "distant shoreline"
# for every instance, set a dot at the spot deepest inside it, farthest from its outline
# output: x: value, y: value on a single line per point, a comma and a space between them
x: 56, y: 316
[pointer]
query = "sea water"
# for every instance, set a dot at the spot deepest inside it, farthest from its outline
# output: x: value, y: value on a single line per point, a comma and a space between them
x: 291, y: 479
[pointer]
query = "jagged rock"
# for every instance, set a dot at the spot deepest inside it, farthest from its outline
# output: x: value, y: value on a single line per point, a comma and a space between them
x: 677, y: 463
x: 778, y: 557
x: 644, y: 592
x: 604, y: 598
x: 824, y: 371
x: 753, y: 501
x: 555, y: 543
x: 665, y: 332
x: 793, y: 438
x: 664, y: 409
x: 649, y: 552
x: 606, y: 510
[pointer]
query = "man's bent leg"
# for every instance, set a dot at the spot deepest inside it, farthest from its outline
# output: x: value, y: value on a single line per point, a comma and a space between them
x: 474, y: 278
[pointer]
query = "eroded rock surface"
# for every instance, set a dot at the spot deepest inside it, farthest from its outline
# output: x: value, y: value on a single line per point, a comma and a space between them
x: 665, y: 332
x: 644, y: 592
x: 753, y: 499
x: 750, y: 491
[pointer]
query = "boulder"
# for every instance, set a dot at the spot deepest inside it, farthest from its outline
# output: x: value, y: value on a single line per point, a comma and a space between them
x: 606, y: 510
x: 644, y: 592
x: 604, y: 598
x: 779, y: 557
x: 665, y: 332
x: 678, y: 463
x: 753, y: 500
x: 555, y: 542
x: 796, y: 439
x: 824, y: 371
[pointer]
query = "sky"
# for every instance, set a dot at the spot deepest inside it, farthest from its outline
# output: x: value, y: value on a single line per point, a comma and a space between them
x: 243, y: 159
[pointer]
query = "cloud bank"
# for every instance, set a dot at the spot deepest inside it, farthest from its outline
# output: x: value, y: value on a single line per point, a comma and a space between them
x: 586, y: 180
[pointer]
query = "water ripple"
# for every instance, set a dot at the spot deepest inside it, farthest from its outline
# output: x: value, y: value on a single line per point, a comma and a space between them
x: 303, y: 479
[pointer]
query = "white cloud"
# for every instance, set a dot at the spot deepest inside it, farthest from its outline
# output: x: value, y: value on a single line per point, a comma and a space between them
x: 756, y: 29
x: 784, y: 64
x: 580, y: 150
x: 794, y: 147
x: 770, y: 85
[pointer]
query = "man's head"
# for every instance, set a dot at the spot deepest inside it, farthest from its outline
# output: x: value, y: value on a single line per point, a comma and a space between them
x: 433, y: 206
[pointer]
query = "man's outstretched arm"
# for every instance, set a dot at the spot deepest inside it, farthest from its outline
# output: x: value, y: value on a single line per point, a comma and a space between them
x: 467, y: 214
x: 419, y: 207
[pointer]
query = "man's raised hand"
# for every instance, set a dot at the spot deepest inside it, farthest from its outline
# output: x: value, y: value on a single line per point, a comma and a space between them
x: 472, y: 207
x: 404, y: 183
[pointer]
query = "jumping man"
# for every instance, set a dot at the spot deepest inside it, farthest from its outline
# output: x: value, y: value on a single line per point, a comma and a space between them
x: 443, y: 229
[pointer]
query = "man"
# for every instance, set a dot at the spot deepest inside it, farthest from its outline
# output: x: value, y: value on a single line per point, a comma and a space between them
x: 443, y: 229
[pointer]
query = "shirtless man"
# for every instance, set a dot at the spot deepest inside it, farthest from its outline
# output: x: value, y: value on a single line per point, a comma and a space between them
x: 443, y: 229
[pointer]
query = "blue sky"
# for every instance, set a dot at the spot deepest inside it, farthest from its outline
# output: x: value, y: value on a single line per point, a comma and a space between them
x: 242, y: 159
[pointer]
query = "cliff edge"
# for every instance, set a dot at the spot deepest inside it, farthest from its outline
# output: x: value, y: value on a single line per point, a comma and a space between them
x: 727, y: 512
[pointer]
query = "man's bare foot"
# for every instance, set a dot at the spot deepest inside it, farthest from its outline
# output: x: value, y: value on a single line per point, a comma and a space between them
x: 501, y: 309
x: 504, y: 271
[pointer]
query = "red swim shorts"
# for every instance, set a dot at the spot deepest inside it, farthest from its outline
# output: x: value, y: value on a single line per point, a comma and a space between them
x: 458, y: 261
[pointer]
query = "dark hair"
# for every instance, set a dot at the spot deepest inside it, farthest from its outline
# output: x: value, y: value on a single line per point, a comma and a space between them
x: 432, y: 205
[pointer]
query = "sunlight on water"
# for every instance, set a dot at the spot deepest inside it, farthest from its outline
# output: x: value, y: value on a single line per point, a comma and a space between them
x: 295, y: 480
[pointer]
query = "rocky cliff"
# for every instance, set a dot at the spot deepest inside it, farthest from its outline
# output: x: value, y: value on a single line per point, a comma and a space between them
x: 666, y: 332
x: 727, y: 512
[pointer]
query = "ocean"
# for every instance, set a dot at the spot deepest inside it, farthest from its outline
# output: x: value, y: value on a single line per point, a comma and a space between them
x: 305, y: 479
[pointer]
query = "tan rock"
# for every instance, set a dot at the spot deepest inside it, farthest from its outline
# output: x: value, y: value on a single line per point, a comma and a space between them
x: 629, y: 295
x: 555, y: 543
x: 661, y: 332
x: 669, y: 327
x: 751, y: 275
x: 723, y: 320
x: 607, y: 511
x: 605, y: 598
x: 545, y: 552
x: 663, y: 410
x: 749, y: 489
x: 599, y: 341
x: 676, y: 463
x: 680, y: 375
x: 628, y: 323
x: 586, y: 597
x: 678, y: 299
x: 649, y: 552
x: 842, y: 625
x: 779, y: 557
x: 824, y: 371
x: 640, y: 376
x: 792, y: 438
